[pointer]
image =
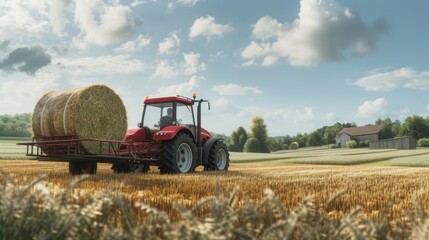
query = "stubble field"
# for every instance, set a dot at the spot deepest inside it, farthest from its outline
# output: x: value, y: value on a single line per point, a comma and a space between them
x: 385, y: 184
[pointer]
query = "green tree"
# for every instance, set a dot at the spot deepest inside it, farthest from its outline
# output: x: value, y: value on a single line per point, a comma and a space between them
x: 17, y: 125
x: 415, y: 126
x: 396, y: 128
x: 237, y: 139
x: 385, y: 132
x: 258, y: 130
x: 314, y: 139
x: 252, y: 145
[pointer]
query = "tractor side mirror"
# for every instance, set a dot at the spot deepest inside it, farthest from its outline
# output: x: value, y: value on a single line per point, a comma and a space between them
x: 140, y: 125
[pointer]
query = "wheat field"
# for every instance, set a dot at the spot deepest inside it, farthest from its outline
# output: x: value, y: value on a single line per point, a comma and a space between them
x: 376, y: 191
x: 372, y: 187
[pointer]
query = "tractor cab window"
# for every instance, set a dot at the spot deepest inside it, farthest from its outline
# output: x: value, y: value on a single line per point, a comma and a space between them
x: 184, y: 114
x: 158, y: 116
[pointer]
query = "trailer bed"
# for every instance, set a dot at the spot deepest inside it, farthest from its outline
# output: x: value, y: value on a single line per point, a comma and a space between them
x: 68, y: 148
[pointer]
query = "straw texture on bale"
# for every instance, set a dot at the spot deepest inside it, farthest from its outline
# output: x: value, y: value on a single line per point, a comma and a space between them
x: 92, y: 112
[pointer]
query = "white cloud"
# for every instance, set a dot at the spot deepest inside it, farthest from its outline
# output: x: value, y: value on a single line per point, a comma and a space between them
x: 329, y: 117
x: 220, y: 104
x: 305, y: 116
x: 324, y: 31
x: 255, y: 50
x: 169, y: 45
x: 172, y: 5
x: 190, y: 65
x: 371, y: 109
x: 389, y: 80
x: 96, y: 66
x: 165, y: 70
x: 294, y: 115
x: 116, y: 22
x: 427, y: 107
x: 267, y: 27
x: 206, y: 27
x: 57, y: 17
x: 184, y: 89
x: 232, y: 89
x: 136, y: 3
x: 18, y: 94
x: 131, y: 46
x: 29, y: 19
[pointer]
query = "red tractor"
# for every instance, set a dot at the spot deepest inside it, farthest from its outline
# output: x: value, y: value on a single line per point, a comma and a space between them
x: 169, y: 136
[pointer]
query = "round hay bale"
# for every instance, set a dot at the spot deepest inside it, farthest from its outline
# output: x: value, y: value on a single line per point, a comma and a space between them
x: 294, y: 146
x: 92, y: 112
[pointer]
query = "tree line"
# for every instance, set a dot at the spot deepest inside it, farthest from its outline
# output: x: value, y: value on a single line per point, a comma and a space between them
x: 17, y: 125
x: 257, y: 139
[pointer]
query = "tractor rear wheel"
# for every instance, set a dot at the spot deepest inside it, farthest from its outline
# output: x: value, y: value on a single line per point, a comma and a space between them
x: 178, y: 155
x: 218, y: 158
x: 78, y: 168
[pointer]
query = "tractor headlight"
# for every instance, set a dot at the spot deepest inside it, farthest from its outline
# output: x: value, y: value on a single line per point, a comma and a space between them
x: 161, y: 133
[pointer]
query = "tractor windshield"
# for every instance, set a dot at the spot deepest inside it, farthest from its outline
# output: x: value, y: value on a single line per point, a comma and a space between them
x: 184, y: 114
x: 155, y: 113
x: 160, y: 115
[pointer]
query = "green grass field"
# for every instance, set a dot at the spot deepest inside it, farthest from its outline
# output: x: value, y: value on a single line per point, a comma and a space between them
x: 324, y: 156
x: 10, y: 151
x: 320, y: 155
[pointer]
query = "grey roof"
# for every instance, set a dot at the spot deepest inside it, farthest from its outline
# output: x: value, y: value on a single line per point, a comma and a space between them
x: 360, y: 131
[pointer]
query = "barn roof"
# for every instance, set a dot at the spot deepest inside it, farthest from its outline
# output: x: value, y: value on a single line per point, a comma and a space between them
x: 360, y: 131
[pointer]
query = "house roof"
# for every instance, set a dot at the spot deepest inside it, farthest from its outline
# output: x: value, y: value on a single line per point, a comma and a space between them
x: 359, y: 131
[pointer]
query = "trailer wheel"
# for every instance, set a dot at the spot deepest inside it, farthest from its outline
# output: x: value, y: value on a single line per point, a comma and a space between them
x: 218, y: 158
x: 139, y: 168
x: 87, y: 167
x: 178, y: 155
x: 127, y: 168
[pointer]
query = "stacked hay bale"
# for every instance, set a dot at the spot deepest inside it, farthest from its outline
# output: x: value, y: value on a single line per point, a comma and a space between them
x: 92, y: 112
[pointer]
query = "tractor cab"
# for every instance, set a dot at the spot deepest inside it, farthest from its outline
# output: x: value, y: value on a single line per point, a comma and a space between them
x: 159, y: 113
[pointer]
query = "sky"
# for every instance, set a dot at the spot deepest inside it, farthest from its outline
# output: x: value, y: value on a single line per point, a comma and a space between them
x: 300, y: 65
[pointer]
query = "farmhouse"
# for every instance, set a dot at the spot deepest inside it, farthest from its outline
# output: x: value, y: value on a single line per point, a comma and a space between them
x: 366, y: 133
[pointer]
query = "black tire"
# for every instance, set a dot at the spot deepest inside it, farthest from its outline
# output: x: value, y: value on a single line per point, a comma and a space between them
x: 130, y: 168
x: 139, y: 168
x: 78, y: 168
x: 120, y: 168
x: 218, y: 158
x: 178, y: 155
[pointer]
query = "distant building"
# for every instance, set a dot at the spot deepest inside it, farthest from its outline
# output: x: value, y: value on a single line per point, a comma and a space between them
x: 366, y: 133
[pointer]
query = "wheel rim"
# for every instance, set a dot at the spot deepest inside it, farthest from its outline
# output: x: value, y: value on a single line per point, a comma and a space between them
x: 221, y: 159
x: 184, y: 157
x: 136, y: 168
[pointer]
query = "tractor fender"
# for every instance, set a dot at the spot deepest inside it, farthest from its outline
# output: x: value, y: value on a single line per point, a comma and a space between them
x: 207, y: 146
x: 170, y: 132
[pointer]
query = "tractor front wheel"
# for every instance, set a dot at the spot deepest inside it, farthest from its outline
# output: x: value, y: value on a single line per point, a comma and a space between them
x: 218, y: 158
x: 87, y: 167
x: 178, y: 155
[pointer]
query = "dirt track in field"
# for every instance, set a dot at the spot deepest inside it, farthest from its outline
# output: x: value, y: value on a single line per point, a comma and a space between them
x: 371, y: 187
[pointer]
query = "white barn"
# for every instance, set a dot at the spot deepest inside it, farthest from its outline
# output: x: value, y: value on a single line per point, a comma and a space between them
x: 366, y: 133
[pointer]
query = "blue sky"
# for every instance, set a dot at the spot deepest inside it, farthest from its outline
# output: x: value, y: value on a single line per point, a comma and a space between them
x: 298, y: 64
